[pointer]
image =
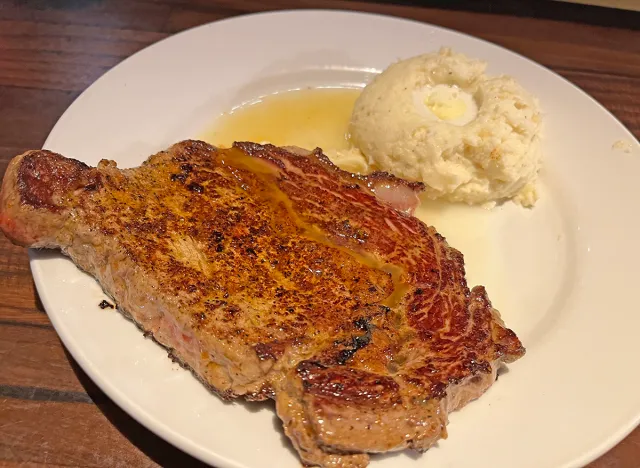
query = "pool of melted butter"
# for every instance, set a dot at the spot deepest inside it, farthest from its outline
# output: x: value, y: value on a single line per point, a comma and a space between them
x: 307, y: 118
x: 319, y: 117
x: 234, y: 158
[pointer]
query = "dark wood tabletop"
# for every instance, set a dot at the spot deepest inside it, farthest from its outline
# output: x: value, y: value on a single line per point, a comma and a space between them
x: 51, y: 414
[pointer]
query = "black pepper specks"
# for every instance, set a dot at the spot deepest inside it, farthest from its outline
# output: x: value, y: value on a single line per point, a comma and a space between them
x: 194, y: 187
x: 106, y: 305
x: 362, y: 324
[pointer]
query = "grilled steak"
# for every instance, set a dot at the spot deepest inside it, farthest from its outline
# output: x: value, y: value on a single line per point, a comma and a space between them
x: 277, y: 275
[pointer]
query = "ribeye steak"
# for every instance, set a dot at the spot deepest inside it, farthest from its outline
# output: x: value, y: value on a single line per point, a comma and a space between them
x: 271, y: 273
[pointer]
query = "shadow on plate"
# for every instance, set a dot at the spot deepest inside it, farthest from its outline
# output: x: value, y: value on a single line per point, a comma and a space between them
x: 502, y: 370
x: 160, y: 451
x: 411, y: 454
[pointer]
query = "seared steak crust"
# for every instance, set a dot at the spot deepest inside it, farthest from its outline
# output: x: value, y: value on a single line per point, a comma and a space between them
x: 277, y: 275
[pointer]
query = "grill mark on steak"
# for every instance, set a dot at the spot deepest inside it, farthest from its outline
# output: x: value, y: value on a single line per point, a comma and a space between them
x: 283, y: 278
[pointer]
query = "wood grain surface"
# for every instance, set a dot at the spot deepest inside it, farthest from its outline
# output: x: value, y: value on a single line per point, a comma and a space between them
x: 51, y: 414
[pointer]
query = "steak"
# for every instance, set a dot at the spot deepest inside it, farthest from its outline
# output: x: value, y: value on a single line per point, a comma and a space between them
x: 271, y: 273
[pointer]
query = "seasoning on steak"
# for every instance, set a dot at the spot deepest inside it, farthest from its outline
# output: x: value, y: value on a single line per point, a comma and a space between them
x: 277, y: 275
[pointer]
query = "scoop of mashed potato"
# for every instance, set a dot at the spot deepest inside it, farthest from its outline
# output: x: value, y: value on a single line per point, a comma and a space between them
x: 437, y: 118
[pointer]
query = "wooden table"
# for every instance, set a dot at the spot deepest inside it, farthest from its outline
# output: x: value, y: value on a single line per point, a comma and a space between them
x: 50, y: 412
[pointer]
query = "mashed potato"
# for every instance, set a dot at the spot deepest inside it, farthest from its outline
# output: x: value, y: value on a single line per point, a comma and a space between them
x: 439, y: 119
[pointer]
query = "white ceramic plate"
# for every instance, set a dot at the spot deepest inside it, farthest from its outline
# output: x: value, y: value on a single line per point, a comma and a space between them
x: 562, y: 274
